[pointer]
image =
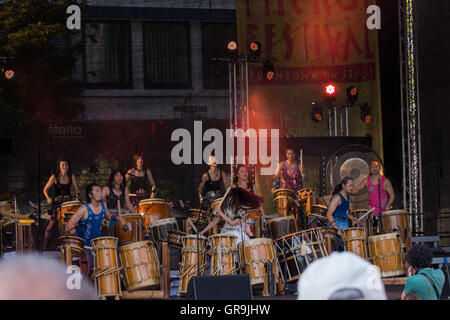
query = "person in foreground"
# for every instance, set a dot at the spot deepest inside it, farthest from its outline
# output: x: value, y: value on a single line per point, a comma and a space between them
x: 341, y: 276
x: 33, y: 277
x: 425, y: 281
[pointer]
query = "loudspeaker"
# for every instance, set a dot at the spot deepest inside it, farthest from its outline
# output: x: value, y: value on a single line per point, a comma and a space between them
x: 220, y: 288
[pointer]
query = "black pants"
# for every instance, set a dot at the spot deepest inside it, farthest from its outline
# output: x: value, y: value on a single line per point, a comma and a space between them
x: 375, y: 225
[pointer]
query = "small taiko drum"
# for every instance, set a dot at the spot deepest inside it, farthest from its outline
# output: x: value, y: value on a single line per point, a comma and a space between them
x: 280, y: 227
x: 25, y: 234
x: 140, y: 265
x: 255, y: 222
x: 332, y: 239
x: 153, y: 209
x: 223, y: 254
x: 199, y: 216
x: 106, y: 267
x: 304, y: 194
x: 72, y: 247
x: 355, y: 240
x: 189, y: 266
x: 398, y: 221
x: 317, y: 218
x: 364, y: 223
x: 175, y: 238
x: 297, y: 251
x: 159, y: 230
x: 130, y: 230
x: 258, y: 256
x: 285, y: 202
x: 67, y: 207
x: 386, y: 253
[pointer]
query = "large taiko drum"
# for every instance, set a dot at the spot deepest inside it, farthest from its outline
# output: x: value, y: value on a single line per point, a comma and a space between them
x: 159, y: 230
x: 131, y: 230
x: 355, y: 240
x: 66, y: 207
x: 386, y: 253
x: 258, y: 253
x: 140, y: 265
x: 189, y: 263
x: 398, y: 221
x: 153, y: 209
x: 285, y: 202
x: 332, y: 239
x: 106, y: 267
x: 298, y: 250
x: 223, y: 254
x: 280, y: 227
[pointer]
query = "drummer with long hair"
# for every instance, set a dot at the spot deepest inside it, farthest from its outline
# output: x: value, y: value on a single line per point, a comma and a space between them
x: 141, y: 180
x: 62, y: 180
x: 115, y: 191
x: 291, y: 173
x: 339, y: 207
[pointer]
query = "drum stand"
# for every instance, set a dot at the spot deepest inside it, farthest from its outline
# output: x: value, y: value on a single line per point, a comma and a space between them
x: 164, y: 291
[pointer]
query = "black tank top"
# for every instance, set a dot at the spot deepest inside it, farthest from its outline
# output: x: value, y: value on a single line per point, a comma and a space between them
x: 62, y: 191
x: 137, y: 183
x: 111, y: 200
x: 215, y: 186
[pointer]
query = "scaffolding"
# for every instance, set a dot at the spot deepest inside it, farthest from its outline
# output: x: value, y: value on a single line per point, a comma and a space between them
x: 410, y: 115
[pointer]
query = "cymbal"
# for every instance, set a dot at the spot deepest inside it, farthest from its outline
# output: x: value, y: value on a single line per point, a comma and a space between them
x: 13, y: 215
x: 11, y: 194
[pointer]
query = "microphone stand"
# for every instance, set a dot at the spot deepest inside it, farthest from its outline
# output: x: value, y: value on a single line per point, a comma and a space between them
x: 381, y: 210
x: 37, y: 232
x: 244, y: 271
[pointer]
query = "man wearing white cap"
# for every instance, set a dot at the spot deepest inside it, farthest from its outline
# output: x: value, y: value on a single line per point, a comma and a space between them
x: 213, y: 184
x: 341, y: 276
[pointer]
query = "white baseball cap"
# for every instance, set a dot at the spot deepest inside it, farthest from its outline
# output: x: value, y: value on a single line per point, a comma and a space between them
x: 341, y: 276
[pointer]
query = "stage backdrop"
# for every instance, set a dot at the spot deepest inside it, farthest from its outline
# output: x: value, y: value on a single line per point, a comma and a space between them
x: 313, y: 42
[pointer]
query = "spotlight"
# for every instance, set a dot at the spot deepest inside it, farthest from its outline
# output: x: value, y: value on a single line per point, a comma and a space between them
x: 330, y: 93
x: 352, y: 94
x: 269, y: 70
x: 316, y: 114
x: 254, y: 49
x: 365, y: 114
x: 9, y: 74
x: 232, y: 49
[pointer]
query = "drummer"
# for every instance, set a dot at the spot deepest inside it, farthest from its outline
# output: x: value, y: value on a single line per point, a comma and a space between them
x: 213, y: 184
x: 63, y: 180
x: 87, y: 221
x: 114, y: 191
x: 233, y: 212
x: 290, y: 172
x: 378, y: 187
x: 339, y: 207
x: 140, y: 178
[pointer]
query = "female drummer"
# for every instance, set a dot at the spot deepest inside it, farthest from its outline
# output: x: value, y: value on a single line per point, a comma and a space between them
x: 115, y: 191
x: 339, y: 207
x: 233, y: 210
x: 140, y: 177
x: 62, y: 180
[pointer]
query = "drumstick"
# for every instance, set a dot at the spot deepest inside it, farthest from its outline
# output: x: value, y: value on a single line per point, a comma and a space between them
x: 365, y: 215
x: 192, y: 225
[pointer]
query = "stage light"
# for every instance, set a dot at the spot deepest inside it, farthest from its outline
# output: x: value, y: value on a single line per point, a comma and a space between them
x: 330, y: 93
x: 232, y: 49
x: 365, y: 114
x: 352, y: 94
x: 9, y: 74
x: 254, y: 49
x: 316, y: 113
x: 269, y: 70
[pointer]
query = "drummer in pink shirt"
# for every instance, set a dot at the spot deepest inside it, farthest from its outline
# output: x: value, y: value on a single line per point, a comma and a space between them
x: 377, y: 186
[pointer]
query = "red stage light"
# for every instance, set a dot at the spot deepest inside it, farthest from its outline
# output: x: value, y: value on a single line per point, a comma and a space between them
x: 330, y: 90
x: 254, y: 46
x: 270, y: 75
x: 318, y: 117
x: 367, y: 119
x: 232, y: 46
x: 9, y: 74
x: 354, y: 91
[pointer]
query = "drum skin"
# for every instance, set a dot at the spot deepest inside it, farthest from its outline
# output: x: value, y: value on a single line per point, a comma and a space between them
x: 153, y: 209
x: 133, y: 230
x: 280, y: 227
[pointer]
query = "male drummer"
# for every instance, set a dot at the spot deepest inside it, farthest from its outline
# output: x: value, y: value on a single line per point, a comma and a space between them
x: 87, y: 221
x: 291, y: 173
x: 378, y: 187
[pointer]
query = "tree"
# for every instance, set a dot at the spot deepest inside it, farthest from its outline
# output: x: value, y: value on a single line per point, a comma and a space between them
x: 43, y: 87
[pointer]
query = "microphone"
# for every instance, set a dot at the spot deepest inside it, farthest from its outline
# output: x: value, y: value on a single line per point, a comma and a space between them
x: 211, y: 195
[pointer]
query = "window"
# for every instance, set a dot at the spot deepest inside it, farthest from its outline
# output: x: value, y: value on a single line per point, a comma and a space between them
x: 108, y: 55
x: 215, y: 37
x: 167, y: 58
